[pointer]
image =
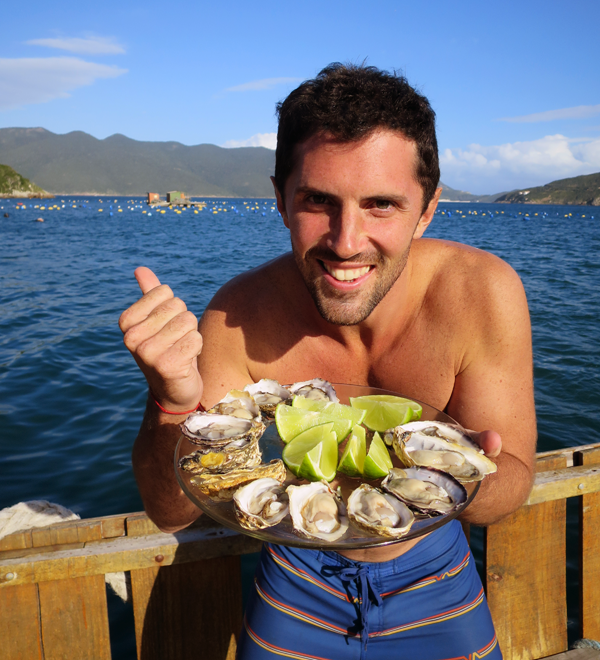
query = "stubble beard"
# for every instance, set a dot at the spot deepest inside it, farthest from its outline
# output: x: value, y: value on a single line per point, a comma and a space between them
x: 341, y: 308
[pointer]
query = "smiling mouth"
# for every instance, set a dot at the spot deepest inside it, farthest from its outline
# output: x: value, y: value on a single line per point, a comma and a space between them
x: 345, y: 274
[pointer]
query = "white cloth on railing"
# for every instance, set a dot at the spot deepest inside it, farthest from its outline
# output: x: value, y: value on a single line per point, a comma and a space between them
x: 40, y: 513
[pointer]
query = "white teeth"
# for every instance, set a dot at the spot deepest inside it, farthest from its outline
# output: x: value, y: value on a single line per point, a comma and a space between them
x: 345, y: 274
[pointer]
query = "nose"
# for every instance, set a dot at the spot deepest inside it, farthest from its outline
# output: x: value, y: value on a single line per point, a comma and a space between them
x: 346, y: 231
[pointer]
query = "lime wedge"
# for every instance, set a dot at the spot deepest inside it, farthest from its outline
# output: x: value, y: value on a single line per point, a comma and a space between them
x: 320, y: 462
x: 292, y: 421
x: 353, y: 458
x: 330, y: 408
x: 294, y: 452
x: 377, y: 462
x: 383, y: 415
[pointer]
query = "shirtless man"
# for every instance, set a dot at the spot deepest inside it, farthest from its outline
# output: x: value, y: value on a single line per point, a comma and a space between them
x: 362, y: 299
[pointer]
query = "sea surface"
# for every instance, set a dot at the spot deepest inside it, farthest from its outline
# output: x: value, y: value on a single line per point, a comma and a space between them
x: 71, y: 396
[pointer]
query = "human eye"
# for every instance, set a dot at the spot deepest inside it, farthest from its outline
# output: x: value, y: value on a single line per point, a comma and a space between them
x: 383, y: 204
x: 316, y: 198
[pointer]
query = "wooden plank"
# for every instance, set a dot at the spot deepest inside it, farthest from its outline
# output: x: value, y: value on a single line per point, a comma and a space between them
x: 128, y: 553
x: 577, y: 654
x: 75, y: 619
x: 566, y: 452
x: 140, y: 525
x: 525, y: 574
x: 17, y: 541
x: 567, y: 482
x: 589, y: 558
x: 20, y: 630
x: 187, y: 611
x: 55, y: 535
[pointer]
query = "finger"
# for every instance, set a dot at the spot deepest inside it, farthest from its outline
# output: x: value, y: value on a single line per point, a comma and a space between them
x: 146, y: 305
x: 156, y: 343
x: 146, y: 279
x: 491, y: 443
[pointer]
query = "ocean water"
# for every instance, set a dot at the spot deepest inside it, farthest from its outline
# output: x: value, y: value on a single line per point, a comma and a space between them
x: 71, y: 396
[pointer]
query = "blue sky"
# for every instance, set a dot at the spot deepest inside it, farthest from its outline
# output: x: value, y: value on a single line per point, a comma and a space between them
x: 515, y: 85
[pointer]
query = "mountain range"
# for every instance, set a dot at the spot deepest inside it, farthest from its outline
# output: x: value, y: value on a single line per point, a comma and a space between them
x: 78, y: 163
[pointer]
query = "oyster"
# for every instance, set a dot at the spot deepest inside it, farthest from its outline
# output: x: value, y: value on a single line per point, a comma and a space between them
x: 379, y: 513
x: 428, y: 491
x: 317, y: 389
x: 261, y: 503
x: 419, y: 448
x: 237, y: 404
x: 221, y: 430
x: 317, y: 512
x: 449, y: 432
x: 268, y: 394
x: 221, y: 460
x: 223, y: 485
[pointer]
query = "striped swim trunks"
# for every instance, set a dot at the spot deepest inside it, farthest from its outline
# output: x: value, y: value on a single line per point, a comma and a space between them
x: 427, y: 604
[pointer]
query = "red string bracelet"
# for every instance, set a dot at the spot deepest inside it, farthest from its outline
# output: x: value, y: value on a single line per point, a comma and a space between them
x: 183, y: 412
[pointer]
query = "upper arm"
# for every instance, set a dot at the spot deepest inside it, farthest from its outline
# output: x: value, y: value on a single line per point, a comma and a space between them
x: 494, y: 385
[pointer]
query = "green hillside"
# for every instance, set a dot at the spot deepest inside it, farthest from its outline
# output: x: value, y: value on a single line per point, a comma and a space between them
x: 12, y: 184
x: 79, y: 163
x: 579, y: 190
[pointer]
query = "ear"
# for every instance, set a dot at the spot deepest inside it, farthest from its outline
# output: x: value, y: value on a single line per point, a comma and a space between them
x: 427, y: 216
x: 280, y: 204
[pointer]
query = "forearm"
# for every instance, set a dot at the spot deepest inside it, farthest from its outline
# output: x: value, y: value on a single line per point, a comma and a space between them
x: 152, y: 457
x: 500, y: 493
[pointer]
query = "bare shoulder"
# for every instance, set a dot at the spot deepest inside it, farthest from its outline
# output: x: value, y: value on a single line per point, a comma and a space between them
x: 468, y: 282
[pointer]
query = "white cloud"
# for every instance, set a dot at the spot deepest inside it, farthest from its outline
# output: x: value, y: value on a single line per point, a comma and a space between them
x: 268, y: 140
x: 490, y: 169
x: 578, y: 112
x: 265, y: 83
x: 37, y: 80
x: 87, y: 46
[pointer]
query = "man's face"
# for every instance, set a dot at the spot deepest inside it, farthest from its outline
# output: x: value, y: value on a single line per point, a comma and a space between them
x: 352, y: 210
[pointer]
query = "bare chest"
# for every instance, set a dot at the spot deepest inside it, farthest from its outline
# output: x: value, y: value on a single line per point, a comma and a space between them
x: 417, y: 365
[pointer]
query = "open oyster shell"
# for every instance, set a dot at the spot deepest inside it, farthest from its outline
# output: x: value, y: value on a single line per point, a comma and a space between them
x: 379, y: 513
x: 317, y: 389
x: 223, y: 485
x: 211, y: 430
x: 261, y: 503
x: 421, y: 448
x: 268, y: 394
x: 317, y: 512
x: 426, y: 490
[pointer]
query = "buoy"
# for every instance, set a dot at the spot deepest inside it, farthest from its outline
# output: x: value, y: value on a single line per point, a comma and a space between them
x: 39, y: 219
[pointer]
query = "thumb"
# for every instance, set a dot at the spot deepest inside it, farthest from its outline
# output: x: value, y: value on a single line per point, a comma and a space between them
x: 146, y: 279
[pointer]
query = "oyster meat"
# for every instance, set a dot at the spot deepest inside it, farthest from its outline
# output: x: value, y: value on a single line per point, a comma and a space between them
x: 237, y: 404
x: 316, y: 389
x: 261, y: 503
x: 223, y: 485
x: 426, y: 490
x: 379, y: 513
x: 317, y: 512
x: 221, y: 460
x: 424, y: 449
x: 268, y: 394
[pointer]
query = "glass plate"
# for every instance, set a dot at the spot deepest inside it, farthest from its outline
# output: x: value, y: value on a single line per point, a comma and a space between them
x: 283, y: 533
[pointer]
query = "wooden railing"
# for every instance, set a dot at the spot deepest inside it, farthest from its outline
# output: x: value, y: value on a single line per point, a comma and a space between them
x: 186, y: 587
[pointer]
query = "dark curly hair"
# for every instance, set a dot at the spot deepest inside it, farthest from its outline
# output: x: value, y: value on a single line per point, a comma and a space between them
x: 350, y: 101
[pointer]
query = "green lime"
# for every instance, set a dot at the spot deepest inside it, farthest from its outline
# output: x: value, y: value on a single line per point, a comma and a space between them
x: 334, y: 410
x: 320, y: 462
x: 292, y: 421
x: 383, y: 415
x: 294, y: 452
x: 377, y: 462
x: 353, y: 458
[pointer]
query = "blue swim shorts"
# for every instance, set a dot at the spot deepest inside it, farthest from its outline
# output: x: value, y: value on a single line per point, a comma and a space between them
x: 427, y: 604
